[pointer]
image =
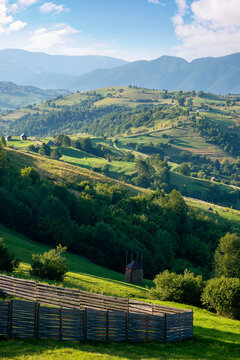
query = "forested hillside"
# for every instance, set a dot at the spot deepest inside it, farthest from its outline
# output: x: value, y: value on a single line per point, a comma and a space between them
x: 84, y: 215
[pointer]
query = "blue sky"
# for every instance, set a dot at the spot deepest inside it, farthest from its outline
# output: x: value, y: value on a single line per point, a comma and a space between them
x: 129, y: 29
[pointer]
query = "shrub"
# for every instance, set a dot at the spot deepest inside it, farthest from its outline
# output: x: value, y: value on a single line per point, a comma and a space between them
x: 7, y: 261
x: 185, y: 288
x: 31, y: 174
x: 227, y: 256
x: 49, y: 265
x: 223, y: 295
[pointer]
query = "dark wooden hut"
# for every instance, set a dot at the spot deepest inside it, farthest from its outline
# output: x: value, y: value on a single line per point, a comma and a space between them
x: 23, y: 137
x: 134, y: 273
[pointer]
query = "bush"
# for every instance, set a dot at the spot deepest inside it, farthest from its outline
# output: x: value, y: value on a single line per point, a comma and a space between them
x: 185, y: 288
x: 7, y: 261
x: 223, y: 295
x: 227, y: 256
x: 49, y: 265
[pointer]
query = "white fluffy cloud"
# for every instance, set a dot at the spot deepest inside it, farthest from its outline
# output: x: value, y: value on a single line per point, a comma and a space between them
x: 213, y: 28
x: 7, y: 23
x: 154, y: 1
x: 51, y: 38
x: 50, y: 7
x: 27, y: 2
x: 20, y: 5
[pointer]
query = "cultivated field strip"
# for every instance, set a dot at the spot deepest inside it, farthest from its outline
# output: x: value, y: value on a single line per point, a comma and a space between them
x: 81, y: 315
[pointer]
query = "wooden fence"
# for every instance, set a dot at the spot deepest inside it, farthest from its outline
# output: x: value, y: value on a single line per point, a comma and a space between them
x: 85, y: 316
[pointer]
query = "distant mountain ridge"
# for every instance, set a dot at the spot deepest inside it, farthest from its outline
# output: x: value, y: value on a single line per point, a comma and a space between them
x: 49, y: 71
x: 219, y: 75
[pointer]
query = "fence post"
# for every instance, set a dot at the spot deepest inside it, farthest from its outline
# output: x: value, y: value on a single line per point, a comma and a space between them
x: 85, y: 324
x: 60, y: 324
x: 36, y: 290
x: 127, y: 322
x: 10, y: 313
x: 36, y: 327
x: 80, y: 299
x: 146, y: 327
x: 165, y: 327
x: 102, y: 301
x: 107, y: 324
x: 14, y: 285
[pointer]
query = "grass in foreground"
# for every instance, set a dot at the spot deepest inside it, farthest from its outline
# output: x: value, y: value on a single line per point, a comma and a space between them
x: 214, y: 337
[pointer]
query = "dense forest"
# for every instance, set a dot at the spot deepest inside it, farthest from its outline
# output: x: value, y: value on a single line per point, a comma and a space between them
x: 83, y: 216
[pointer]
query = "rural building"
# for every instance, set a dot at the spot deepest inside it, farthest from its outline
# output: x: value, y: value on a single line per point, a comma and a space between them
x: 134, y: 273
x: 8, y: 138
x: 212, y: 178
x: 210, y: 209
x: 23, y: 137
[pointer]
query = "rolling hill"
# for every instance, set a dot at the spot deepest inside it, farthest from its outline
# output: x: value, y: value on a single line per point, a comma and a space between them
x: 13, y: 96
x: 203, y: 135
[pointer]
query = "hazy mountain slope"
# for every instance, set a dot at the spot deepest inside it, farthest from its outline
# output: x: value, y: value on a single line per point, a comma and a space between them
x: 13, y: 96
x: 47, y: 71
x: 219, y: 75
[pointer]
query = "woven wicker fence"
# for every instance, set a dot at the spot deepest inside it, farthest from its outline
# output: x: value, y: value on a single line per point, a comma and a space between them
x: 85, y: 316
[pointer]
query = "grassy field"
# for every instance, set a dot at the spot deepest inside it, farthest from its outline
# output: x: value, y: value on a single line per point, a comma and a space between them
x: 214, y: 337
x: 82, y: 273
x: 88, y: 161
x: 218, y: 211
x: 194, y: 185
x: 17, y: 143
x: 62, y: 171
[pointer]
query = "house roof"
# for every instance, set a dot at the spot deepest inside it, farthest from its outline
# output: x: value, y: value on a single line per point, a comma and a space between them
x: 133, y: 265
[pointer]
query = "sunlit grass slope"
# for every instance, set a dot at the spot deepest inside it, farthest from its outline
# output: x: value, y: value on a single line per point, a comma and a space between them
x: 82, y: 273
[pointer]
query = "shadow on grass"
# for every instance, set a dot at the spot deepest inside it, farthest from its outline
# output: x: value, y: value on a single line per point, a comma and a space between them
x: 208, y: 344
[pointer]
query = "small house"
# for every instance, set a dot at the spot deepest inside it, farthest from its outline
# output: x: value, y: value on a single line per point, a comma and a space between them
x: 212, y: 178
x: 210, y: 209
x: 134, y: 273
x: 8, y: 138
x: 23, y: 137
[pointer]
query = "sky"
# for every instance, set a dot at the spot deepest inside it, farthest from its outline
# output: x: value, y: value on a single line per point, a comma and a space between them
x: 127, y: 29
